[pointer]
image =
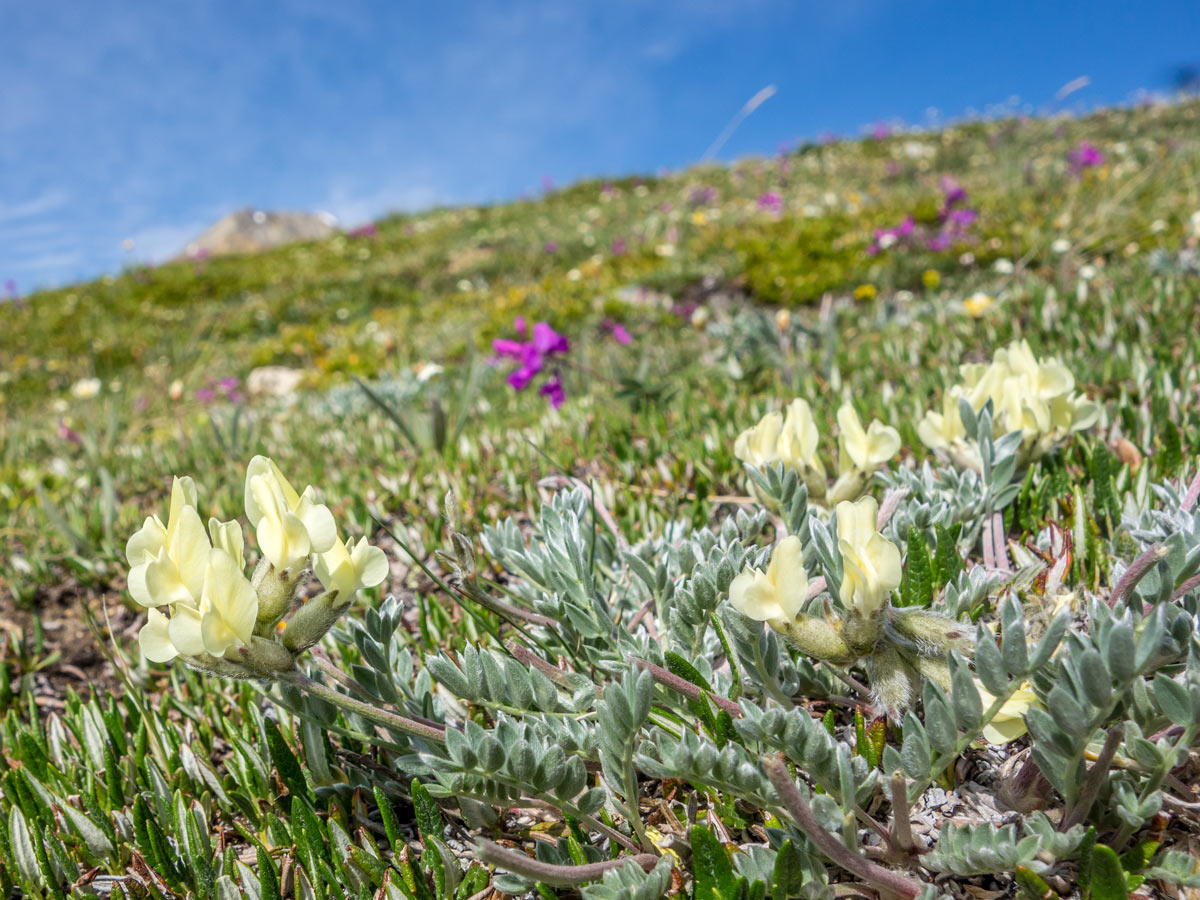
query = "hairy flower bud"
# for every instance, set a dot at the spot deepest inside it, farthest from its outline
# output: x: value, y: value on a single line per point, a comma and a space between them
x: 311, y: 621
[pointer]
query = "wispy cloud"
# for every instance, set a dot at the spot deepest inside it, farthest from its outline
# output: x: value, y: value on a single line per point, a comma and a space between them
x: 47, y: 201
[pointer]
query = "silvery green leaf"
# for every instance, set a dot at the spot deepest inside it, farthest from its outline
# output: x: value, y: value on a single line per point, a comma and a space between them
x: 96, y: 840
x: 1068, y: 712
x: 1120, y: 650
x: 1014, y: 648
x: 227, y: 889
x: 989, y: 663
x: 22, y: 847
x: 915, y: 754
x: 1174, y: 700
x: 939, y: 722
x: 968, y: 707
x: 1094, y: 677
x: 1050, y: 640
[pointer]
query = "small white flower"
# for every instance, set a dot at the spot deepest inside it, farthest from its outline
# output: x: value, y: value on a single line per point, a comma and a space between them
x: 86, y: 388
x: 1003, y: 266
x: 1061, y: 245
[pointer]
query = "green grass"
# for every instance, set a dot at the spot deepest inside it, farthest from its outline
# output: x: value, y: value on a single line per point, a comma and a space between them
x: 437, y: 287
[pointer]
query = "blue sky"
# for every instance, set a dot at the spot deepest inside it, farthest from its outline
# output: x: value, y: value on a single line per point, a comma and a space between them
x: 149, y: 120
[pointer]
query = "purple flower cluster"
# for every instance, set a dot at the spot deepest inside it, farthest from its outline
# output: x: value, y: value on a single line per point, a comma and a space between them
x: 531, y: 356
x: 770, y: 201
x: 890, y: 237
x: 701, y: 196
x: 368, y: 230
x: 956, y: 219
x: 1086, y: 156
x: 220, y: 389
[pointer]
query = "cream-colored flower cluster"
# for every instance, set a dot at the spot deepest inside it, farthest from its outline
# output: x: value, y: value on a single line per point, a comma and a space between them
x: 1029, y: 395
x: 792, y: 438
x: 202, y: 606
x: 897, y: 647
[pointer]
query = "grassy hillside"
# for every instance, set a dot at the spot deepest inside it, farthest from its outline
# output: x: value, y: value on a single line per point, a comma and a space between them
x: 857, y: 271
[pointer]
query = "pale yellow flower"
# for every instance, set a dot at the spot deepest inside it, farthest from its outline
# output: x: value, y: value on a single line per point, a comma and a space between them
x: 350, y: 567
x: 759, y: 446
x: 870, y: 562
x: 777, y: 594
x: 289, y: 526
x: 167, y: 563
x: 1009, y: 722
x: 1035, y: 397
x: 864, y: 450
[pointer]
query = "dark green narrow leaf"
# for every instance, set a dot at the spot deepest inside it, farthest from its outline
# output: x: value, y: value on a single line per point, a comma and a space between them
x: 285, y: 761
x: 917, y: 587
x: 946, y: 562
x: 429, y: 816
x: 391, y: 826
x: 1108, y: 878
x: 268, y: 881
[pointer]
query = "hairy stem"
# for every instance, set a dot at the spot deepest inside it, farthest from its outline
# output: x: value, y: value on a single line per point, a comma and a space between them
x: 366, y: 710
x: 561, y: 876
x: 887, y: 881
x: 1095, y: 777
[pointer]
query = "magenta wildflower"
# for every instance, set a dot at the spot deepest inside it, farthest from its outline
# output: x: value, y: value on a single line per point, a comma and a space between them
x: 67, y: 433
x: 368, y: 230
x: 881, y: 131
x: 1086, y: 156
x: 953, y: 194
x: 553, y: 391
x: 771, y: 201
x: 962, y: 217
x: 531, y: 357
x: 702, y: 195
x: 551, y: 246
x: 618, y: 247
x: 618, y: 331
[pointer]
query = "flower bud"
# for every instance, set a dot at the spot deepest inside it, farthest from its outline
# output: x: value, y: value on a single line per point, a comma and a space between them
x: 276, y: 592
x: 933, y: 634
x: 817, y: 638
x: 894, y: 680
x: 312, y: 620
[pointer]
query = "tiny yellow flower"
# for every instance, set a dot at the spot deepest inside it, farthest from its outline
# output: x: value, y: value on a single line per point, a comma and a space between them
x: 977, y: 303
x: 699, y: 218
x: 931, y: 279
x: 777, y: 594
x: 865, y: 292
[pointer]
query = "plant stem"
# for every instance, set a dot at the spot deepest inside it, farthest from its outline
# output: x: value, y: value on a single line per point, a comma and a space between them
x: 366, y: 710
x: 561, y: 876
x: 1136, y: 571
x: 1095, y: 777
x: 685, y: 687
x: 888, y: 882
